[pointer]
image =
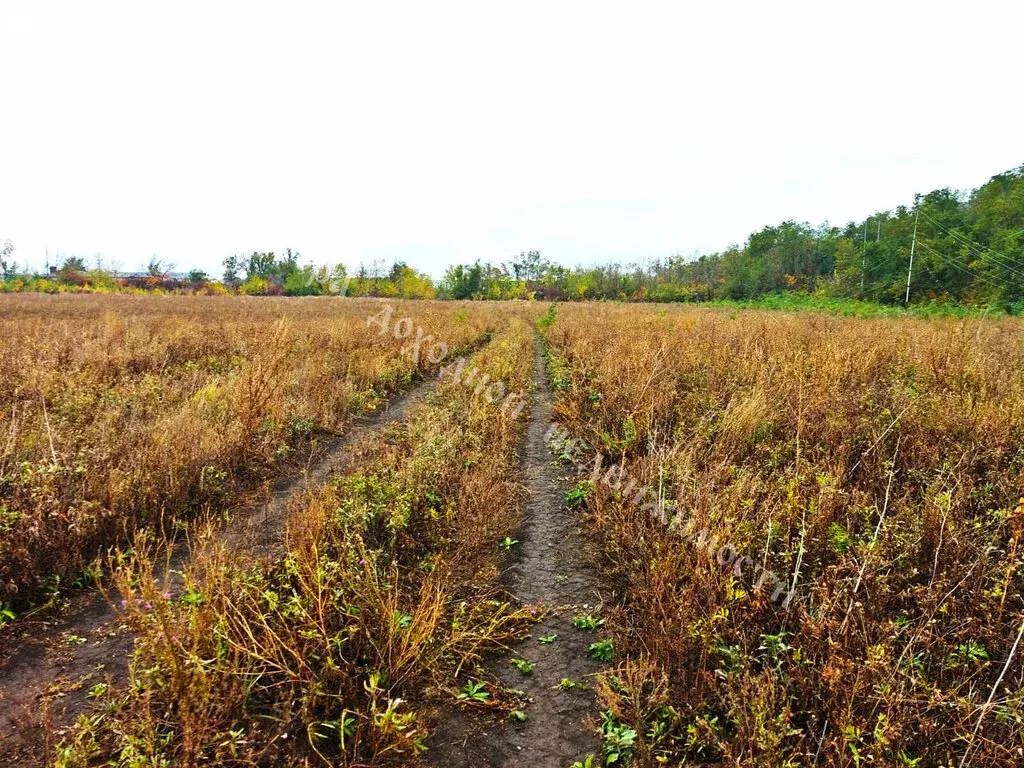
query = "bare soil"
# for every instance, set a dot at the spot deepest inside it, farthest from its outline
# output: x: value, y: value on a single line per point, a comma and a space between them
x: 48, y: 665
x: 551, y: 572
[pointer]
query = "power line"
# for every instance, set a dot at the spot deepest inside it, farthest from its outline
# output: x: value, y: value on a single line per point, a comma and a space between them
x: 910, y: 270
x: 966, y: 270
x: 938, y: 278
x: 864, y: 256
x: 950, y: 263
x: 980, y: 250
x: 1014, y: 272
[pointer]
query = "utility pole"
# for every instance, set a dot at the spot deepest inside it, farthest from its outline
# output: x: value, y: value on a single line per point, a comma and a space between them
x: 864, y: 257
x: 910, y: 271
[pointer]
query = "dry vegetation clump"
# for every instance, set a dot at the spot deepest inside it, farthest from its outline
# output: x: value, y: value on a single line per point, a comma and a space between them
x: 118, y: 412
x: 874, y: 464
x: 337, y: 653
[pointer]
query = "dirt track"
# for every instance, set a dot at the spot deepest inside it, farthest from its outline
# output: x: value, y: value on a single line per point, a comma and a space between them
x: 551, y: 571
x: 48, y: 667
x: 47, y: 672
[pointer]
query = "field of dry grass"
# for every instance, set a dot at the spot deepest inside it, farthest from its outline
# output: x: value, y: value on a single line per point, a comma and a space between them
x: 336, y: 652
x: 120, y: 412
x: 872, y: 466
x: 809, y: 527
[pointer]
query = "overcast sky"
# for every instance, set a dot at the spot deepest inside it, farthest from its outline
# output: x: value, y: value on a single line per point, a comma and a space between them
x: 439, y: 132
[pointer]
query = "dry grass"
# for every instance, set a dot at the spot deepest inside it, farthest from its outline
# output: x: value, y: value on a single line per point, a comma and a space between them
x: 338, y: 653
x: 876, y: 464
x: 118, y: 412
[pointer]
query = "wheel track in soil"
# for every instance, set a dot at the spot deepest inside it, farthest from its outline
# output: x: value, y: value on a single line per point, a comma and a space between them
x: 40, y: 661
x: 550, y: 570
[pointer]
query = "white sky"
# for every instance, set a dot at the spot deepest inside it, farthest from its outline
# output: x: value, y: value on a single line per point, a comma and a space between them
x: 440, y: 132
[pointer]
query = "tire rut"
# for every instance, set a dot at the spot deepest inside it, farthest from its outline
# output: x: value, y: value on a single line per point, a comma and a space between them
x: 550, y: 571
x: 47, y: 670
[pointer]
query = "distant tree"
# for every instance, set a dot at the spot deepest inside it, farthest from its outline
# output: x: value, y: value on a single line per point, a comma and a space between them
x: 464, y: 282
x: 847, y: 267
x: 744, y: 274
x: 232, y: 268
x: 74, y: 264
x: 7, y: 265
x: 529, y: 266
x: 157, y: 267
x: 398, y: 270
x: 197, y: 276
x: 288, y: 265
x: 335, y: 280
x: 303, y: 282
x: 260, y: 265
x: 73, y: 270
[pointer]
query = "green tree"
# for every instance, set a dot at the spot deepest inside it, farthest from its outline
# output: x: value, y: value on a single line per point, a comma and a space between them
x: 232, y: 270
x: 288, y: 265
x: 334, y: 280
x: 74, y: 264
x: 157, y: 267
x: 7, y: 265
x: 464, y: 281
x: 303, y: 282
x: 744, y: 274
x: 261, y: 265
x: 73, y: 270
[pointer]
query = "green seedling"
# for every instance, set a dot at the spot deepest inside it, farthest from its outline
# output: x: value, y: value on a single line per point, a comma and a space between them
x: 602, y: 650
x: 547, y: 639
x: 74, y: 639
x: 97, y: 690
x: 507, y: 543
x: 586, y: 622
x: 518, y: 715
x: 523, y: 665
x: 566, y: 684
x: 619, y: 739
x: 578, y: 495
x: 474, y: 691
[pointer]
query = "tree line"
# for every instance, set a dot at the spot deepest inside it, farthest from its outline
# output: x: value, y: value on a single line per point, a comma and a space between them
x: 966, y: 247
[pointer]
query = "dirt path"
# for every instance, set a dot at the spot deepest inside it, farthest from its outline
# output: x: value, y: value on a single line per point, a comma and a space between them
x: 550, y: 570
x: 260, y: 529
x: 47, y: 671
